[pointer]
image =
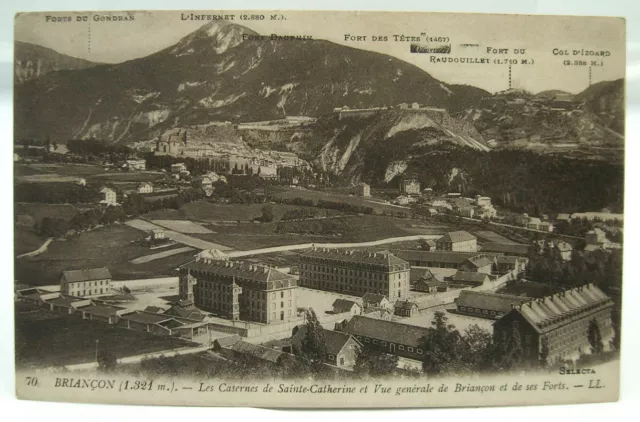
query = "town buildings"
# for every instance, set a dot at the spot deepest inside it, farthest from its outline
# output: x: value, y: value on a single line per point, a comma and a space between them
x: 434, y: 259
x: 157, y: 234
x: 178, y: 168
x: 355, y: 272
x: 564, y: 249
x: 373, y: 300
x: 341, y: 348
x: 558, y: 325
x: 109, y: 196
x: 473, y: 279
x: 458, y: 241
x: 135, y: 165
x: 429, y: 283
x: 482, y: 201
x: 343, y: 305
x: 84, y: 283
x: 388, y: 336
x: 486, y: 304
x: 240, y: 290
x: 405, y: 308
x: 479, y: 264
x: 145, y: 187
x: 410, y: 186
x: 535, y: 223
x: 507, y: 264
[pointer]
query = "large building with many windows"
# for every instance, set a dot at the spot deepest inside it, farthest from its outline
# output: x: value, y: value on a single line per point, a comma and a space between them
x: 356, y: 272
x: 559, y: 323
x: 240, y: 290
x: 84, y: 283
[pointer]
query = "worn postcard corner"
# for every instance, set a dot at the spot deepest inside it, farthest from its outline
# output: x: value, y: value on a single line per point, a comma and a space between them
x: 316, y: 209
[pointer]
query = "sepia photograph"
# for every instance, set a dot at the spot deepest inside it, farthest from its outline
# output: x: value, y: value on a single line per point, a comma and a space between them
x: 318, y: 209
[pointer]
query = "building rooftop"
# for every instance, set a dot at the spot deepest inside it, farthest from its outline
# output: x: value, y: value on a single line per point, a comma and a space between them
x: 470, y: 277
x: 145, y: 317
x: 229, y: 340
x: 260, y: 352
x: 65, y: 301
x: 373, y: 297
x: 334, y: 340
x: 102, y: 310
x: 547, y: 313
x: 389, y: 331
x: 457, y: 236
x: 424, y: 274
x: 564, y: 247
x: 503, y: 259
x: 350, y: 255
x: 243, y: 271
x: 489, y: 301
x: 479, y: 261
x: 74, y: 276
x: 435, y: 256
x: 405, y: 304
x: 344, y: 303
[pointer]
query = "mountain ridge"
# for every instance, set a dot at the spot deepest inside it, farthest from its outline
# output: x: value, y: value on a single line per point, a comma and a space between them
x: 32, y: 61
x: 213, y: 74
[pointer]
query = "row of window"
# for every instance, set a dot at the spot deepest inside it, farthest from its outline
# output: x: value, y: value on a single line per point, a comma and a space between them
x: 89, y: 283
x: 384, y: 343
x: 481, y: 311
x: 89, y: 292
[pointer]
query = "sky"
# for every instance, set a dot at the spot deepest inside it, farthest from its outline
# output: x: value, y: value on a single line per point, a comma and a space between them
x: 539, y: 36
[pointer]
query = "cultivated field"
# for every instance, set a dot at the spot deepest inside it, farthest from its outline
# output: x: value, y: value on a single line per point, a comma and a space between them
x: 112, y: 247
x: 209, y: 212
x: 378, y: 207
x: 25, y: 240
x: 360, y: 228
x: 493, y: 237
x: 183, y: 226
x: 45, y: 338
x: 39, y: 211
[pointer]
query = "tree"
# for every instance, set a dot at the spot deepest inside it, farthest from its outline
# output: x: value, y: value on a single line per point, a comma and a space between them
x: 313, y: 347
x: 373, y: 363
x: 512, y: 351
x: 544, y: 352
x: 443, y: 348
x: 595, y: 338
x: 267, y: 214
x: 106, y: 361
x: 479, y: 349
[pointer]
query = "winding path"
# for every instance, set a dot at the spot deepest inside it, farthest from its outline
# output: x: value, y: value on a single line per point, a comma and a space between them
x: 38, y: 251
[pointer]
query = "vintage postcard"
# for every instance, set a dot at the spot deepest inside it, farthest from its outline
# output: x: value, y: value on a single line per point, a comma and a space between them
x: 318, y: 209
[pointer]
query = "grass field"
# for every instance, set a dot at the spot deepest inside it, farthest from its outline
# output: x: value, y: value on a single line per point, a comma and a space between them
x: 39, y: 211
x: 66, y: 169
x: 128, y: 176
x: 494, y: 237
x: 25, y: 240
x: 112, y: 247
x: 361, y: 228
x: 286, y: 192
x: 45, y: 338
x: 208, y: 211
